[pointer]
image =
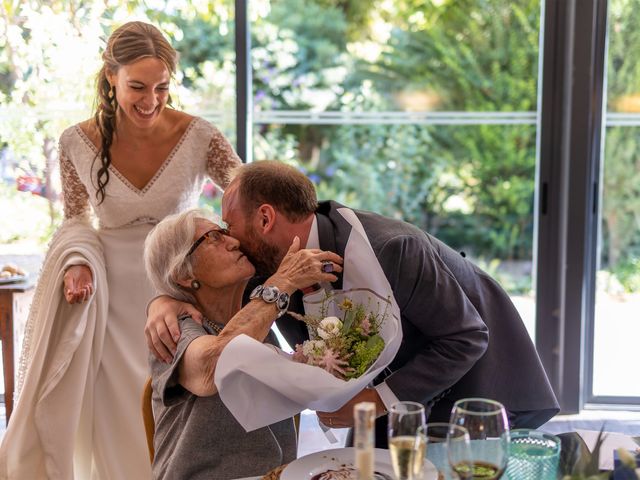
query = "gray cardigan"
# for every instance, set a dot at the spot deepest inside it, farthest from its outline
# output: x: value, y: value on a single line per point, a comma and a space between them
x: 198, y: 438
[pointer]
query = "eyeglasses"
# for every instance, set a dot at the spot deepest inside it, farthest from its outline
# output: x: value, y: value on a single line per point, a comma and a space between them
x: 212, y: 237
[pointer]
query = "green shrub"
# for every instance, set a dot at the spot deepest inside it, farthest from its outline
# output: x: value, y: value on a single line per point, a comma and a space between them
x: 628, y: 274
x: 25, y: 217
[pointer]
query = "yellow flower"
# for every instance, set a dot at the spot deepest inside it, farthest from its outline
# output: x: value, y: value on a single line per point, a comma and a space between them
x: 627, y: 458
x: 346, y: 305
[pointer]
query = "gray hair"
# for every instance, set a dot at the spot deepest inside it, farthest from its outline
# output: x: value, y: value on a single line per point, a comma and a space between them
x: 165, y: 253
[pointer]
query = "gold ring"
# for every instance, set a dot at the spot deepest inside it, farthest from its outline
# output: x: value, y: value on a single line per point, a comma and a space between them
x: 331, y: 422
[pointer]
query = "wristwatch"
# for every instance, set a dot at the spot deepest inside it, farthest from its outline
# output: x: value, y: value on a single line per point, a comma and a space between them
x: 272, y: 294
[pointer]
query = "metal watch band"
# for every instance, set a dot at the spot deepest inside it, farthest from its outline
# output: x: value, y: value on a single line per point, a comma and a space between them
x: 271, y: 294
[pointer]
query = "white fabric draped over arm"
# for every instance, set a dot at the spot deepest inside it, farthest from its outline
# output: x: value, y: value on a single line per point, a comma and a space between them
x: 61, y: 349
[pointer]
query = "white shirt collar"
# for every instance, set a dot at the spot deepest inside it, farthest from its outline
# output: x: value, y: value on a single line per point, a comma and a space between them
x: 314, y: 238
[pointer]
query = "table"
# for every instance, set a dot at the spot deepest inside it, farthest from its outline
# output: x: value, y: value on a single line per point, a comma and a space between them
x: 575, y: 445
x: 15, y: 300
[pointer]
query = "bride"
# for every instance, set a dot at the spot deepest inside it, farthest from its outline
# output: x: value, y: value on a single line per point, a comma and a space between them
x: 84, y: 361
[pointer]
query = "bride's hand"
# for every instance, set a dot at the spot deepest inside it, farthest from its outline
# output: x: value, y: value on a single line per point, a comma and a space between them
x: 303, y: 268
x: 78, y: 284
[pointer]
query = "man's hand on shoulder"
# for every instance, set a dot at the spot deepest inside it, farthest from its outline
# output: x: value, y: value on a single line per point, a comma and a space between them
x: 343, y: 418
x: 162, y: 330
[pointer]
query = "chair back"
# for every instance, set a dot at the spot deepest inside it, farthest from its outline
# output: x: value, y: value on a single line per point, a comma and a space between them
x: 147, y: 417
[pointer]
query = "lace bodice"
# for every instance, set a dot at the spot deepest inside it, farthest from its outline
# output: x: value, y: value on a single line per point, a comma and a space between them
x: 202, y: 152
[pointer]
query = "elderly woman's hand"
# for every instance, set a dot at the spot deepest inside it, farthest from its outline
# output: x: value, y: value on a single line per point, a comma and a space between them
x: 303, y: 268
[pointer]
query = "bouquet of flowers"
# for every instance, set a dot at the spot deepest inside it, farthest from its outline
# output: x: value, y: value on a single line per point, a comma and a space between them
x: 352, y: 349
x: 347, y: 342
x: 343, y: 355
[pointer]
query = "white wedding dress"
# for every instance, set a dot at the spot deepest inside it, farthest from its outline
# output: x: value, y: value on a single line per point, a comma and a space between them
x: 96, y: 386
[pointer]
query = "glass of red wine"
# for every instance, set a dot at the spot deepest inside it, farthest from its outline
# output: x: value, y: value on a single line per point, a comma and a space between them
x: 488, y: 427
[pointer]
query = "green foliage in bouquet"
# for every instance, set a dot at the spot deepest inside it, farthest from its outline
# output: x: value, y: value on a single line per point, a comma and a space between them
x: 346, y: 347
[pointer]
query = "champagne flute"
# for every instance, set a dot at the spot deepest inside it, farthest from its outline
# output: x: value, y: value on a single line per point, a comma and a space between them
x: 406, y: 446
x: 488, y: 427
x: 447, y: 445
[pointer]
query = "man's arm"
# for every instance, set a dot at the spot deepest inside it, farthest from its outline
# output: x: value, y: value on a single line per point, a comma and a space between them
x: 343, y: 417
x: 435, y: 306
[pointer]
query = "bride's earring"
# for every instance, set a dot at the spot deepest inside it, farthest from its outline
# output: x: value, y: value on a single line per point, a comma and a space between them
x: 112, y: 92
x: 195, y: 284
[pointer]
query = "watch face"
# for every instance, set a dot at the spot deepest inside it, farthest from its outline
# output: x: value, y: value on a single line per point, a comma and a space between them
x: 283, y: 301
x: 270, y: 294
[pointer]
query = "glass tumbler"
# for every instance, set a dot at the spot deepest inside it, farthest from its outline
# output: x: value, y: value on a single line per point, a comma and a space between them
x: 533, y: 455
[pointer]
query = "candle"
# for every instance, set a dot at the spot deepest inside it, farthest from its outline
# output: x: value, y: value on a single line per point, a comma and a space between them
x: 364, y: 416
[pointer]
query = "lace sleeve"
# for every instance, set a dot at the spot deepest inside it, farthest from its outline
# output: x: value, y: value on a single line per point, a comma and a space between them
x: 74, y: 193
x: 221, y: 159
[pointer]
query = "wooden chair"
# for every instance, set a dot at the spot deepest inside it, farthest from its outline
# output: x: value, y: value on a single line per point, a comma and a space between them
x: 149, y: 425
x: 147, y: 417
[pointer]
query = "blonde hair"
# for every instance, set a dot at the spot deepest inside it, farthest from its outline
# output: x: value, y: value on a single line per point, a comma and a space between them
x: 126, y: 45
x: 165, y: 253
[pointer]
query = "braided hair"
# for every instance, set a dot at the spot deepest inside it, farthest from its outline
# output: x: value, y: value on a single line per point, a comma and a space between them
x: 129, y: 43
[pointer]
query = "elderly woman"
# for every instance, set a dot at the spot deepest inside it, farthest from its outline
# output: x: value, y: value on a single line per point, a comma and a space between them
x: 191, y: 258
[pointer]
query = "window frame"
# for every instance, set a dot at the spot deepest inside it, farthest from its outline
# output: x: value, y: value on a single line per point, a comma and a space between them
x: 570, y: 131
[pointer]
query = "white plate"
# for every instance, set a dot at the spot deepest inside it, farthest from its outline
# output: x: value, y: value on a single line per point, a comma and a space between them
x: 306, y: 467
x: 13, y: 279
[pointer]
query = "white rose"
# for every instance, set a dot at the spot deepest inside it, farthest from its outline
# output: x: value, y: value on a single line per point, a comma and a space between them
x: 329, y: 327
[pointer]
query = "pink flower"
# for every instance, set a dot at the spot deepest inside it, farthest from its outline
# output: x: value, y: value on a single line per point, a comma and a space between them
x: 333, y: 364
x: 366, y: 326
x: 298, y: 355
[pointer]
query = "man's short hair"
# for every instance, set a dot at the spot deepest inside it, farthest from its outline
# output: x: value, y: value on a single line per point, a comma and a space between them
x: 277, y: 184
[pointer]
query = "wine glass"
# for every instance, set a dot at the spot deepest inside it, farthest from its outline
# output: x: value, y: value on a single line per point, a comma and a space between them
x: 447, y: 446
x: 488, y: 427
x: 405, y: 445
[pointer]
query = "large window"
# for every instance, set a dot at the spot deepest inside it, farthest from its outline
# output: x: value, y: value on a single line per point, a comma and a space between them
x: 426, y: 113
x: 617, y: 303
